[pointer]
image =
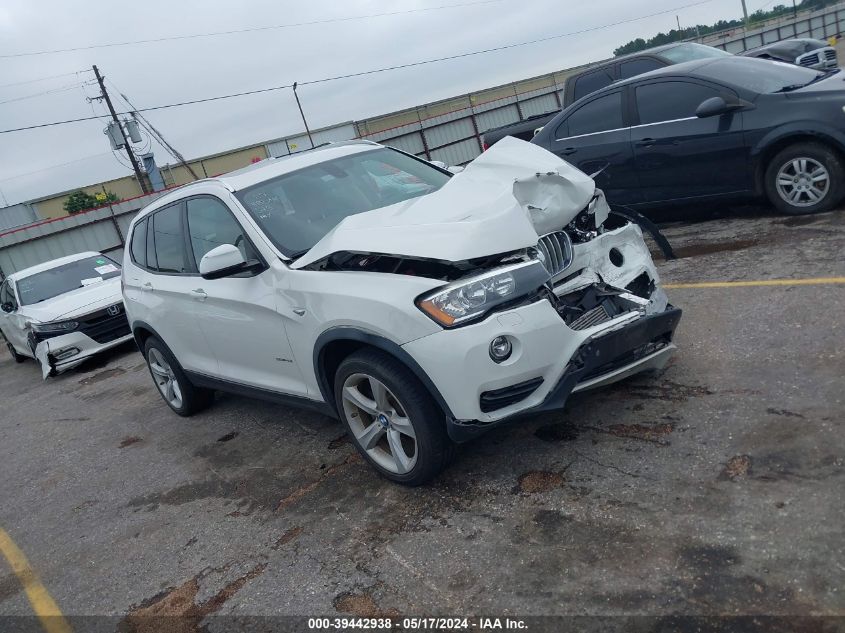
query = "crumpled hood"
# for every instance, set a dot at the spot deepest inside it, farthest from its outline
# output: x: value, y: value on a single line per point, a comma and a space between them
x: 503, y: 201
x: 76, y: 303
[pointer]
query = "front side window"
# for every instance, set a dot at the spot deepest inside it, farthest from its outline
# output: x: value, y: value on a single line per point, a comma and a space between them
x: 296, y: 210
x: 671, y: 100
x: 211, y: 224
x: 599, y: 115
x: 66, y: 278
x: 169, y: 240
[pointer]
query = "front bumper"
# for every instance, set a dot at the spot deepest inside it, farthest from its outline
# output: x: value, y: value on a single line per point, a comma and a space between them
x: 552, y: 355
x: 60, y: 353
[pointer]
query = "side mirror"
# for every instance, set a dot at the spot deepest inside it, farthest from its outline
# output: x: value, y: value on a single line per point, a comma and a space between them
x: 224, y: 261
x: 438, y: 163
x: 455, y: 169
x: 8, y: 307
x: 714, y: 106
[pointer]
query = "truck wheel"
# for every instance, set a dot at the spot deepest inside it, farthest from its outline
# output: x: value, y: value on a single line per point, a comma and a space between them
x: 393, y: 420
x: 805, y: 178
x: 174, y: 387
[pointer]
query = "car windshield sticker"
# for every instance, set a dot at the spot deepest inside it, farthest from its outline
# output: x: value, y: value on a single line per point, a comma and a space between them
x: 93, y: 280
x: 105, y: 270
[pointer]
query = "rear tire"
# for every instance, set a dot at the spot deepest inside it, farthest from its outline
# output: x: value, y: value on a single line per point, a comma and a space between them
x: 392, y: 419
x: 805, y: 178
x: 173, y: 385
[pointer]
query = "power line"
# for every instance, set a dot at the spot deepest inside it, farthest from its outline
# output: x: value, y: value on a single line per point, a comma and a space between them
x: 248, y: 30
x: 368, y: 72
x: 32, y: 81
x: 502, y: 48
x: 72, y: 86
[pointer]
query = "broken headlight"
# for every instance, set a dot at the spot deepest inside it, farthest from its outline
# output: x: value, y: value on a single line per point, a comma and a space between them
x: 58, y: 326
x: 473, y: 297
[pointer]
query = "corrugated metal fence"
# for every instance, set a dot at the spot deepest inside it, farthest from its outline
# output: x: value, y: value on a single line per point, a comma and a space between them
x: 102, y: 230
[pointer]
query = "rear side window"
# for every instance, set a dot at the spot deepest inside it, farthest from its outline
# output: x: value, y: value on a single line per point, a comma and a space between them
x: 169, y: 240
x: 638, y: 67
x: 211, y: 224
x: 139, y: 243
x: 599, y: 115
x: 589, y: 83
x: 670, y: 100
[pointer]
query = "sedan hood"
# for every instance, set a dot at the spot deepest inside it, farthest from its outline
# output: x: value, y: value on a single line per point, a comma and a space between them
x: 76, y: 303
x: 503, y: 201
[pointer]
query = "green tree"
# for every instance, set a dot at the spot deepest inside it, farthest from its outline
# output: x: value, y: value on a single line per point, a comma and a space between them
x: 82, y: 201
x: 675, y: 35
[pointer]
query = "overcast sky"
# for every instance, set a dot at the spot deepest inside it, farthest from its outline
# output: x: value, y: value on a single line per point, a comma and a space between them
x: 39, y: 162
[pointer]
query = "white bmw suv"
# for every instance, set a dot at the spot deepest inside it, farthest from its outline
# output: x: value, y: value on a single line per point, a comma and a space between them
x: 419, y: 306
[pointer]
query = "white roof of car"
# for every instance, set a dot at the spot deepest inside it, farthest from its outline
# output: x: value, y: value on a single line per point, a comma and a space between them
x: 53, y: 263
x: 265, y: 170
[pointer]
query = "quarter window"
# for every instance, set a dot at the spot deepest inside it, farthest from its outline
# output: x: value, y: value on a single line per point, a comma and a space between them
x: 139, y: 243
x: 210, y: 224
x: 670, y: 100
x: 599, y: 115
x: 169, y: 240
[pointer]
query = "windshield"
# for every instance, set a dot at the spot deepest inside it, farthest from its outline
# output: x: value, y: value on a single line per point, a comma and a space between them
x: 297, y: 209
x: 690, y: 52
x: 758, y: 75
x: 61, y: 279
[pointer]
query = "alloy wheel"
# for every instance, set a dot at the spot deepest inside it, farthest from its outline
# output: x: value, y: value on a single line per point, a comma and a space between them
x: 379, y: 423
x: 164, y: 378
x: 802, y: 182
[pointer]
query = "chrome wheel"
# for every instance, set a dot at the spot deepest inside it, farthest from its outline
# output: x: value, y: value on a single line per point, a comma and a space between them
x: 379, y: 423
x: 802, y: 182
x: 164, y: 378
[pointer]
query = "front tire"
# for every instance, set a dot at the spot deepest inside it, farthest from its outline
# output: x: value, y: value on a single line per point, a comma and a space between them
x: 176, y: 390
x: 14, y: 353
x: 805, y: 178
x: 392, y: 419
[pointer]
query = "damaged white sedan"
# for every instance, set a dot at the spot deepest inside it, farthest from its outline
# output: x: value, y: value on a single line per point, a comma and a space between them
x: 418, y: 306
x: 63, y: 311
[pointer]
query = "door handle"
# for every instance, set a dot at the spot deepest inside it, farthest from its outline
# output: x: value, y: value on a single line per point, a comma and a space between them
x: 199, y: 294
x: 566, y: 151
x: 646, y: 142
x: 147, y: 286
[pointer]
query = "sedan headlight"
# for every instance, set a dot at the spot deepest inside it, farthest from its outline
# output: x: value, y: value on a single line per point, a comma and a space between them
x: 58, y: 326
x: 474, y: 297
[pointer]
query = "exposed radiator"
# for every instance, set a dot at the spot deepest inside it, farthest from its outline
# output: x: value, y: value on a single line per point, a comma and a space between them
x: 590, y: 318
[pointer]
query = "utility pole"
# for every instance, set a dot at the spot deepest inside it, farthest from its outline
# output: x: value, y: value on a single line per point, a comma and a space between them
x: 745, y: 13
x: 794, y: 11
x: 307, y: 131
x: 678, y: 19
x: 105, y: 96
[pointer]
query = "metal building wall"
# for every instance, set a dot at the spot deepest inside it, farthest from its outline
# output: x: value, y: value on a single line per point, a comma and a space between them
x: 17, y: 215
